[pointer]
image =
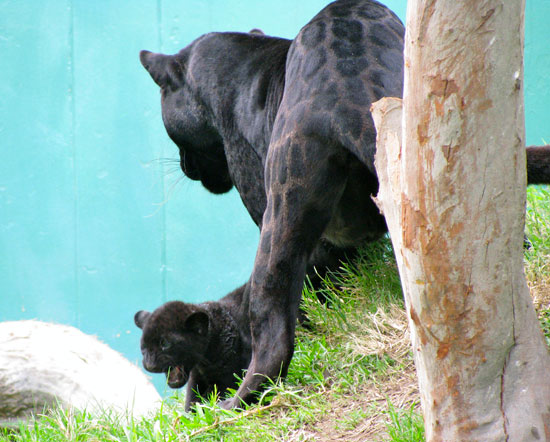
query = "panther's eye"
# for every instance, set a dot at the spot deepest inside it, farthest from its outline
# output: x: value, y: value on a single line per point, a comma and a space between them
x: 165, y: 344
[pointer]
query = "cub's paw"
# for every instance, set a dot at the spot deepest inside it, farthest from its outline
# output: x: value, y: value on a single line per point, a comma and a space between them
x: 231, y: 403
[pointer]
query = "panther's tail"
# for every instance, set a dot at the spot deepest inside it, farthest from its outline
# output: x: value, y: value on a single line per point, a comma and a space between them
x: 538, y: 164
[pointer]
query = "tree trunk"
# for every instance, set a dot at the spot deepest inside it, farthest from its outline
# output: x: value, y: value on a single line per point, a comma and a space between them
x: 454, y: 200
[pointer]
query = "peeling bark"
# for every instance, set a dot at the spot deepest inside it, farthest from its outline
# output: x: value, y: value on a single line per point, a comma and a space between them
x: 453, y: 194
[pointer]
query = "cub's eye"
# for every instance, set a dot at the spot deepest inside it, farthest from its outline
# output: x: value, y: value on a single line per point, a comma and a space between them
x: 165, y: 344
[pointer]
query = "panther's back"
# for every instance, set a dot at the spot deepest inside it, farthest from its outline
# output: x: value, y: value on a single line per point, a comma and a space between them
x: 347, y: 57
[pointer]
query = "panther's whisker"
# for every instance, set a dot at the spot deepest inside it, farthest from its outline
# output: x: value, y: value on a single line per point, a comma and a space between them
x: 160, y: 162
x: 172, y: 171
x: 166, y: 160
x: 167, y: 196
x: 172, y: 187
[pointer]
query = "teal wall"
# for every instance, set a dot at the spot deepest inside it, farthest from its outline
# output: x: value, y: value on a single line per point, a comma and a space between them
x: 94, y: 223
x: 537, y: 72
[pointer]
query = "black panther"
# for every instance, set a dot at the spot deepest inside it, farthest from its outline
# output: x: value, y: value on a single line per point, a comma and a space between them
x: 197, y: 344
x: 288, y: 124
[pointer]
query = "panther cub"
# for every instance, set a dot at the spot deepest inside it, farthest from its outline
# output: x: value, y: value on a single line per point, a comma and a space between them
x: 202, y: 345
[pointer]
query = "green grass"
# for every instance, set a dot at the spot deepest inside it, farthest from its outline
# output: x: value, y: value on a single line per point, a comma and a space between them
x: 537, y: 230
x: 537, y: 256
x: 406, y: 425
x: 332, y: 381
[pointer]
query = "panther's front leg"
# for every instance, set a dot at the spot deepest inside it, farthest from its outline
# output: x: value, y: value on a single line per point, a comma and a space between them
x: 305, y: 178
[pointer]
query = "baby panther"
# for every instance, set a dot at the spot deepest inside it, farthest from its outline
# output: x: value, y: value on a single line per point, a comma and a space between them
x: 198, y: 344
x: 288, y: 124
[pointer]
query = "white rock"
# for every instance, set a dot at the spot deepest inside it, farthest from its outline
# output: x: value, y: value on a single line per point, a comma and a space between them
x: 41, y: 363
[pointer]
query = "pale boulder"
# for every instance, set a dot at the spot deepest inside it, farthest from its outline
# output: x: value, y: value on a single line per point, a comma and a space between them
x: 43, y: 363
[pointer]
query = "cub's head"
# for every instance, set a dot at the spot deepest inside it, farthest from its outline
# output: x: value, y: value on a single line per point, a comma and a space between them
x: 174, y: 340
x: 187, y: 121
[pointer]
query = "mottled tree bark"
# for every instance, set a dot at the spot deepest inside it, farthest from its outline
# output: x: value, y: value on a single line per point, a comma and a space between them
x: 453, y: 194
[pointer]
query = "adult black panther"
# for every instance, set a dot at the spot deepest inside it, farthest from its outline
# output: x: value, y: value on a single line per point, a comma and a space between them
x: 288, y: 124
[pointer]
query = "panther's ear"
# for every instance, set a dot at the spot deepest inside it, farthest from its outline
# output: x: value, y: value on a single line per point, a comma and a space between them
x: 165, y: 70
x: 198, y: 322
x: 141, y: 317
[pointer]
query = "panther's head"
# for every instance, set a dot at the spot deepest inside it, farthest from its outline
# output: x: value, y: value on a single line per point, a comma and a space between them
x: 186, y: 120
x: 174, y: 340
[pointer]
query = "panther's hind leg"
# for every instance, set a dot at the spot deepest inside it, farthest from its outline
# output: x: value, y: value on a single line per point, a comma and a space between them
x: 326, y: 258
x: 305, y: 178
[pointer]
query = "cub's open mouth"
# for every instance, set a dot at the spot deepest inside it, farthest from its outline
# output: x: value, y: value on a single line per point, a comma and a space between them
x: 176, y: 377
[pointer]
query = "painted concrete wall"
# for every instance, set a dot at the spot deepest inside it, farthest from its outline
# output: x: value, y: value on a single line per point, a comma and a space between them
x: 95, y: 220
x: 537, y: 71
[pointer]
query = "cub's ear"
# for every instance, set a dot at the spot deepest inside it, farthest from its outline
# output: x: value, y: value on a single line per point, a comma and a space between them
x: 164, y: 69
x: 198, y: 322
x: 141, y: 317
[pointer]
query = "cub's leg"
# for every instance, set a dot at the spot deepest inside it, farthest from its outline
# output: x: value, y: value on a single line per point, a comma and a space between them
x: 191, y: 396
x: 305, y: 178
x: 197, y: 388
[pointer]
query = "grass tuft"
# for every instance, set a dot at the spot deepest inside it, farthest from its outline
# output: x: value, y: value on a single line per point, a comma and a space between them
x: 406, y: 425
